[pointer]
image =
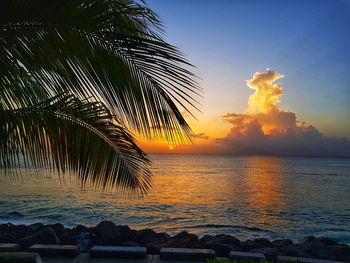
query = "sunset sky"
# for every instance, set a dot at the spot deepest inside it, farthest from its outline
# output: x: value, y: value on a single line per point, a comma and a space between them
x: 305, y: 46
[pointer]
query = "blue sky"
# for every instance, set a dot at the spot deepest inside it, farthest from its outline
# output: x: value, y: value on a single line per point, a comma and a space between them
x: 228, y: 41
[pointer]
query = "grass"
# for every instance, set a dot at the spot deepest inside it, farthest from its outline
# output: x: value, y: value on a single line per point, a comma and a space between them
x: 235, y: 261
x: 241, y: 261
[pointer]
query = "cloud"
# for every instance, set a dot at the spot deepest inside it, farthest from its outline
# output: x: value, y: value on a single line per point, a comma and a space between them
x: 265, y: 129
x: 267, y: 94
x: 202, y: 136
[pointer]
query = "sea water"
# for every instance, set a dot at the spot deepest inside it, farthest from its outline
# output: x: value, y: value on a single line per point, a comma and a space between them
x: 248, y: 197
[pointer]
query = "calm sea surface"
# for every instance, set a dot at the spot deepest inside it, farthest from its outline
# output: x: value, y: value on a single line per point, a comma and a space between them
x: 244, y: 196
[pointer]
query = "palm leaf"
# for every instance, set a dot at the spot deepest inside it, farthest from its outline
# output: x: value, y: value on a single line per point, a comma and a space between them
x: 68, y: 134
x: 108, y: 50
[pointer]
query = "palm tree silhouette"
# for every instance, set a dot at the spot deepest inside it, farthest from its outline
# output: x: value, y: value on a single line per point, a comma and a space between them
x: 77, y: 76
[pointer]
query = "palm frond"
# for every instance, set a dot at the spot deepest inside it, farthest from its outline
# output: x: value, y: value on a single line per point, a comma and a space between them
x: 108, y: 50
x: 68, y: 134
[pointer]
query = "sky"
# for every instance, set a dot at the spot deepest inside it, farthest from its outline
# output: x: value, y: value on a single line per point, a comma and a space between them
x: 302, y: 45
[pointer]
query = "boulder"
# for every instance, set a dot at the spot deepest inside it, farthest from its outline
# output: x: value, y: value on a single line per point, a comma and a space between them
x: 127, y: 234
x: 327, y: 241
x: 289, y: 250
x: 313, y: 248
x: 36, y: 227
x: 282, y: 243
x: 227, y: 239
x: 249, y: 245
x: 79, y: 235
x: 22, y: 231
x: 145, y: 236
x: 110, y: 234
x: 269, y: 252
x: 59, y: 229
x: 341, y: 252
x: 158, y: 241
x: 72, y: 236
x: 184, y: 240
x: 221, y: 250
x: 107, y: 233
x: 207, y: 238
x: 161, y: 236
x: 263, y: 242
x: 222, y: 244
x: 45, y: 236
x: 10, y: 233
x: 5, y: 227
x: 309, y: 239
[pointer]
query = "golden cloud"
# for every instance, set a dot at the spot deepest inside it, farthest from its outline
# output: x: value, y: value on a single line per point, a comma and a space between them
x: 265, y: 129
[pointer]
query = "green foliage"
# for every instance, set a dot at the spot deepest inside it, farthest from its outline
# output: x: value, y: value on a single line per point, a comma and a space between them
x: 76, y: 76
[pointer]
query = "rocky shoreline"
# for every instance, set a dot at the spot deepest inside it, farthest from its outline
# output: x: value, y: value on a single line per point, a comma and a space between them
x: 108, y: 233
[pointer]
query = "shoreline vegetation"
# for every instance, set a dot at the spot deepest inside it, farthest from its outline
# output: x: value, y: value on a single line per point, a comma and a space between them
x: 108, y: 233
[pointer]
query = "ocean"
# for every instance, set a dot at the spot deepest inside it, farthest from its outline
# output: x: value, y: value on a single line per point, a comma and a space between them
x: 247, y: 197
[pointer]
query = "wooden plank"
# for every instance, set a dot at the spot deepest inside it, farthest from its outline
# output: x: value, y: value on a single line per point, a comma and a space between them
x: 118, y: 252
x: 191, y: 254
x: 19, y: 257
x: 9, y: 247
x: 55, y: 250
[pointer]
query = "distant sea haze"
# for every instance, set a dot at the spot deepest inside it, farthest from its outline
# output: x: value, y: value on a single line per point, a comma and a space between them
x: 247, y: 197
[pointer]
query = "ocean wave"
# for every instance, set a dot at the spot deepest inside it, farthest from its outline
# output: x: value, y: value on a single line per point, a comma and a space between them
x: 253, y: 229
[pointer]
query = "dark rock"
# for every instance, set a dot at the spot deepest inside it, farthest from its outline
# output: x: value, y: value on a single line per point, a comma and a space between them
x: 249, y: 245
x: 263, y: 241
x: 80, y: 228
x: 227, y: 239
x: 10, y: 233
x: 5, y: 227
x: 108, y: 233
x: 22, y: 231
x: 45, y: 236
x: 72, y: 236
x: 327, y: 241
x: 36, y: 227
x: 68, y: 237
x: 221, y: 250
x: 341, y: 252
x: 309, y: 239
x: 126, y: 233
x: 59, y: 229
x: 289, y: 250
x: 270, y: 252
x: 221, y: 244
x: 282, y: 243
x: 184, y: 240
x: 145, y: 236
x: 207, y: 238
x: 181, y: 240
x: 162, y: 236
x: 158, y: 241
x: 79, y: 235
x: 313, y: 248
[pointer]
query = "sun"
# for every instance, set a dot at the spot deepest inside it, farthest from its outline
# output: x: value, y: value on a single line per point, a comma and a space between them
x: 171, y: 147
